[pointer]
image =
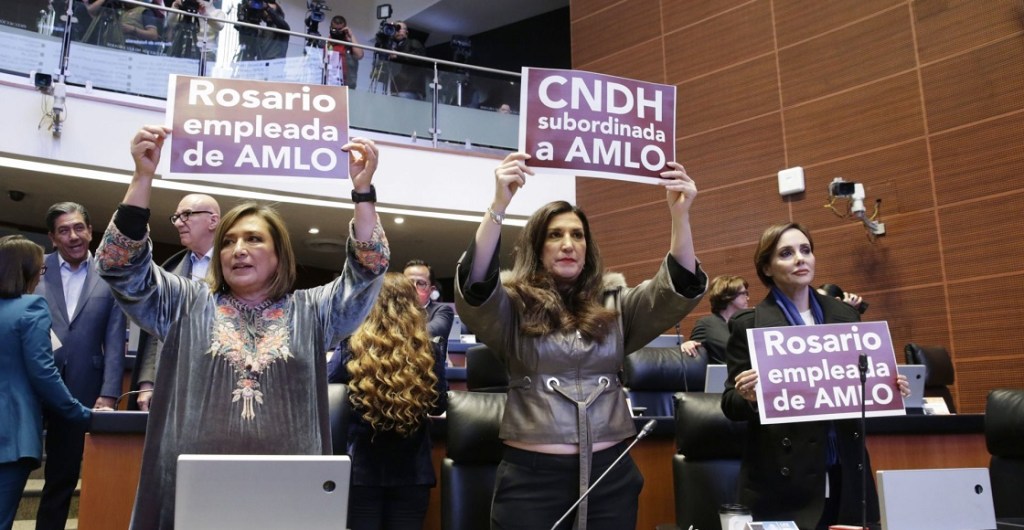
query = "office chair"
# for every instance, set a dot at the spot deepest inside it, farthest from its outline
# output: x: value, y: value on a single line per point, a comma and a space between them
x: 1004, y: 437
x: 472, y: 457
x: 652, y: 375
x: 485, y: 372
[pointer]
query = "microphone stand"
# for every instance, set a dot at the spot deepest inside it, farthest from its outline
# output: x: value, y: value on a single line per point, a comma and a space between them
x: 647, y: 428
x: 862, y: 364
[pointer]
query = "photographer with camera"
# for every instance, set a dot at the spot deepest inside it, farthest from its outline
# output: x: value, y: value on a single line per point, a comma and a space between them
x: 262, y: 44
x: 344, y: 61
x: 188, y: 34
x: 407, y: 74
x: 113, y: 24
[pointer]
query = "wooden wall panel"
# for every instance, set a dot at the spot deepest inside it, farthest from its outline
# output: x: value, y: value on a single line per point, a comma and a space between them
x: 725, y: 215
x: 983, y: 238
x: 979, y: 317
x: 604, y: 196
x: 869, y: 117
x: 876, y: 47
x: 741, y: 152
x: 734, y: 36
x: 797, y: 20
x: 860, y: 79
x: 947, y: 27
x: 980, y: 160
x: 898, y: 175
x: 632, y: 235
x: 737, y: 93
x: 907, y: 255
x: 609, y: 31
x: 980, y: 84
x: 684, y: 14
x: 645, y: 61
x: 975, y: 380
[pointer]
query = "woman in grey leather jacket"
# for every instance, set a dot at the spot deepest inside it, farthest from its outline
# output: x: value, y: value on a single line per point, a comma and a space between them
x: 563, y: 326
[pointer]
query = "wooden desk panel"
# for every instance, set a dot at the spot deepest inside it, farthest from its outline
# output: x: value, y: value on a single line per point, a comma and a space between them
x: 110, y: 471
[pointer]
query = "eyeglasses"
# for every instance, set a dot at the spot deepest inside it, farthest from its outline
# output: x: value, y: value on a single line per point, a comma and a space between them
x: 42, y: 270
x: 185, y: 215
x: 421, y: 284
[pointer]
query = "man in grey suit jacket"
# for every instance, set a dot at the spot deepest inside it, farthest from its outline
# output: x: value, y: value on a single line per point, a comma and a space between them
x: 91, y: 329
x: 196, y: 220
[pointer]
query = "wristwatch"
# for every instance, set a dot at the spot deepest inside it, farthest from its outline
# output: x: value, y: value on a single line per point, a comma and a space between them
x: 370, y: 196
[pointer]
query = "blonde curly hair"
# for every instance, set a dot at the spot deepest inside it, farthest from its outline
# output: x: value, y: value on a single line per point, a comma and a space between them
x: 392, y: 361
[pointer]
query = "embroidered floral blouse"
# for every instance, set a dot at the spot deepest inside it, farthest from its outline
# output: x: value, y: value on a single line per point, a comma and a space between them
x: 232, y: 378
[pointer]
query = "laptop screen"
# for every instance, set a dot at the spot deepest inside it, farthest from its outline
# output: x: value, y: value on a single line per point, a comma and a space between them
x: 936, y: 499
x: 225, y: 492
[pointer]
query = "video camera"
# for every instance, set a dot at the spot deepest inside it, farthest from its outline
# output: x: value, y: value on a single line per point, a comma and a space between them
x: 251, y: 11
x: 315, y: 11
x: 191, y: 6
x: 386, y: 35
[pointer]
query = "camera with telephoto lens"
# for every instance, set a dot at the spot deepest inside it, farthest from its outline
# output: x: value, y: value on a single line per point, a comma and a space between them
x: 386, y: 35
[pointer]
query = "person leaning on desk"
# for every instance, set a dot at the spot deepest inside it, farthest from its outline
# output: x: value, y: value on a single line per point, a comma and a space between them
x: 805, y: 472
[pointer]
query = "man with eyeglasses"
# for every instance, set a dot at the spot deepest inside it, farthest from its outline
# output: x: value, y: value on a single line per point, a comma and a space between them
x: 196, y: 220
x: 439, y: 316
x: 91, y: 330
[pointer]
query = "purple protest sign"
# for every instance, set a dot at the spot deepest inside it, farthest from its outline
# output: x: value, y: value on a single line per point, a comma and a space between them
x: 583, y: 123
x: 809, y: 373
x: 241, y: 127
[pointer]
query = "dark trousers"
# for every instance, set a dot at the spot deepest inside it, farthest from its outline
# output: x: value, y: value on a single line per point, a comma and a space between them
x: 64, y: 445
x: 13, y: 476
x: 387, y: 508
x: 532, y: 490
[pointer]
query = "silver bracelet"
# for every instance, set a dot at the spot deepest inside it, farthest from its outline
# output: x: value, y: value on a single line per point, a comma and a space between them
x: 496, y: 217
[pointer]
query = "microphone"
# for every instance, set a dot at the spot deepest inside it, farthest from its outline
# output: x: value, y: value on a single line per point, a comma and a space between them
x: 126, y: 394
x: 644, y: 431
x: 862, y: 365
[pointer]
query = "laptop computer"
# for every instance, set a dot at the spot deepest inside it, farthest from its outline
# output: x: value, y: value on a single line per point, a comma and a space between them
x: 936, y: 499
x: 714, y: 378
x: 226, y: 492
x: 915, y: 376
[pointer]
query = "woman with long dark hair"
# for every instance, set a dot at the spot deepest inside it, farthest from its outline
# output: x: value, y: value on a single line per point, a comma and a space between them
x: 562, y: 325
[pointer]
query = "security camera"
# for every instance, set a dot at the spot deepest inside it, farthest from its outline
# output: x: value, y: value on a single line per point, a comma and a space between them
x: 16, y: 196
x: 841, y: 188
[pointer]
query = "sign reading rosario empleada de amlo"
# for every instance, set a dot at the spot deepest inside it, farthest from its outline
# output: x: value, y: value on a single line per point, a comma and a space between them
x: 809, y: 373
x: 583, y: 123
x: 235, y: 127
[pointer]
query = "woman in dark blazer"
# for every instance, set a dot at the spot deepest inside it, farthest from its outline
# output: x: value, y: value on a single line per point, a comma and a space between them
x: 28, y: 377
x: 805, y: 472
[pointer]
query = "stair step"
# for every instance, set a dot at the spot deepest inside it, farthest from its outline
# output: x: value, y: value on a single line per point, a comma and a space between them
x: 31, y: 525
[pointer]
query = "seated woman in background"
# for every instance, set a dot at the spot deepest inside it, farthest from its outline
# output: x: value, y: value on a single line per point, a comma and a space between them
x: 396, y: 377
x: 727, y: 295
x: 28, y: 378
x: 563, y: 325
x: 804, y: 472
x: 242, y: 369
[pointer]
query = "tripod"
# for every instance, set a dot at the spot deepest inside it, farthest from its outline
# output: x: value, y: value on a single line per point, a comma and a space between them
x: 105, y: 29
x: 382, y: 75
x: 184, y: 43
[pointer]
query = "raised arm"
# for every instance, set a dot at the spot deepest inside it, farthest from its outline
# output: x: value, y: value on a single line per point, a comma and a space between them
x: 680, y: 192
x: 362, y: 165
x: 508, y: 178
x: 146, y: 147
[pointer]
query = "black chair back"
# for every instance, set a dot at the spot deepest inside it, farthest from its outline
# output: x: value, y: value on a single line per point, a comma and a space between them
x: 473, y: 454
x: 706, y: 467
x: 652, y: 375
x: 337, y: 411
x: 485, y: 372
x: 1004, y: 436
x: 938, y: 369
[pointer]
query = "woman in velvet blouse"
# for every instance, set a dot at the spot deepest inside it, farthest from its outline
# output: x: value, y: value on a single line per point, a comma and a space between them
x: 28, y: 378
x: 805, y: 472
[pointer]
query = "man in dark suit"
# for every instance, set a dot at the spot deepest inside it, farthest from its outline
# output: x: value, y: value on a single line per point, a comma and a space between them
x: 196, y: 220
x: 91, y: 330
x: 439, y: 316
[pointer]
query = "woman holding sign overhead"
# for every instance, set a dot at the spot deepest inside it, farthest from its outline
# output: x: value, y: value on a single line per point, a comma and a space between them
x: 242, y: 368
x: 562, y: 325
x: 805, y: 472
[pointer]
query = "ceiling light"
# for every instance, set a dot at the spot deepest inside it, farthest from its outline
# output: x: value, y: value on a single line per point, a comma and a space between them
x: 314, y: 230
x: 399, y: 220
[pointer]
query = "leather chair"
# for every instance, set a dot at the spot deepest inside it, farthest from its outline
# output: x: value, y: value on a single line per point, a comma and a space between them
x: 938, y: 370
x: 471, y: 461
x: 1004, y: 436
x: 338, y: 408
x: 652, y: 375
x: 485, y: 372
x: 706, y: 466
